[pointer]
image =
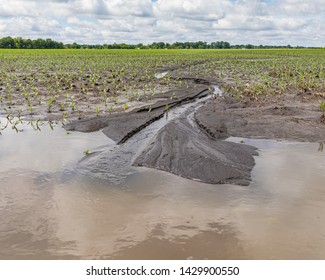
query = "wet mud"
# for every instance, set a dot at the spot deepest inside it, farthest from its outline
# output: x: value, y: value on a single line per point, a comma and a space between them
x: 121, y: 126
x: 193, y: 145
x: 285, y: 117
x: 180, y: 149
x: 178, y: 146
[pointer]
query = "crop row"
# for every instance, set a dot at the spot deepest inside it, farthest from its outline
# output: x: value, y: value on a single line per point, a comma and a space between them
x: 71, y: 84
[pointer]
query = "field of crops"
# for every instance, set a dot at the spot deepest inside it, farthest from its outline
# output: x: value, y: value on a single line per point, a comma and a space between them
x: 62, y: 85
x: 238, y: 134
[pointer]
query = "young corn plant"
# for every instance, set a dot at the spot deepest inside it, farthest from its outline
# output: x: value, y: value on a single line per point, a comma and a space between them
x: 50, y: 104
x: 322, y: 107
x: 97, y: 111
x: 111, y: 108
x: 167, y: 109
x: 87, y: 152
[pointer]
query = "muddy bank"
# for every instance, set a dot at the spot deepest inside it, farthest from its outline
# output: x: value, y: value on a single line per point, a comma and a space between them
x: 121, y: 126
x: 176, y: 145
x: 285, y: 117
x: 181, y: 149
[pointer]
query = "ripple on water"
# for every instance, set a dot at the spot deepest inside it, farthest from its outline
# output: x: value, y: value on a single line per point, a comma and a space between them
x: 49, y: 210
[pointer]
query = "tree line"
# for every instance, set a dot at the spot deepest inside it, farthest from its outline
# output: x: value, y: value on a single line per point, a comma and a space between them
x: 20, y: 43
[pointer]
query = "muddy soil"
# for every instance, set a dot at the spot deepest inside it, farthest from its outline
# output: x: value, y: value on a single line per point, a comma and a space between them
x: 180, y: 149
x: 121, y: 126
x: 284, y: 117
x: 195, y: 148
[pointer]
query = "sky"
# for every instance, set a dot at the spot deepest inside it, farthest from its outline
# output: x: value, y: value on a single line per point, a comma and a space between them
x: 266, y: 22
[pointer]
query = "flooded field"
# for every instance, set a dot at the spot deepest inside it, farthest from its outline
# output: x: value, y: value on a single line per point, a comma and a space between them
x: 50, y: 210
x: 74, y: 195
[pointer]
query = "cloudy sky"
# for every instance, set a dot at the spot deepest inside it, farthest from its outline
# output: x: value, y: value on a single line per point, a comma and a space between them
x: 274, y: 22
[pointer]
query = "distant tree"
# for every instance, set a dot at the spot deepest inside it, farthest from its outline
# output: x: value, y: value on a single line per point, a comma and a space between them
x: 7, y: 43
x: 159, y: 45
x: 20, y: 43
x: 28, y: 44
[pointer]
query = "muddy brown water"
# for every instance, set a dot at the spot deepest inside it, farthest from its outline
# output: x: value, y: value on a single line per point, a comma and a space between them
x: 48, y: 210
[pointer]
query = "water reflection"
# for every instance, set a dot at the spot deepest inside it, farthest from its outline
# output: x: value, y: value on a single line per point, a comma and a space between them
x: 18, y: 124
x: 49, y: 211
x: 216, y: 91
x: 48, y: 150
x: 216, y: 242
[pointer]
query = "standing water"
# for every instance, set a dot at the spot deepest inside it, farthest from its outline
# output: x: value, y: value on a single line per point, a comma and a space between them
x: 48, y: 210
x: 161, y: 75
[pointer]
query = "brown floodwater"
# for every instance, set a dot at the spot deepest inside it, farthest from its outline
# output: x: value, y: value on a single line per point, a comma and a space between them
x: 49, y: 210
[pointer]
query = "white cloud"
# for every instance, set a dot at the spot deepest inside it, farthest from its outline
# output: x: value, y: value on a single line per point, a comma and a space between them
x: 295, y: 22
x: 303, y: 6
x: 29, y: 27
x: 203, y: 10
x: 14, y: 8
x: 140, y: 8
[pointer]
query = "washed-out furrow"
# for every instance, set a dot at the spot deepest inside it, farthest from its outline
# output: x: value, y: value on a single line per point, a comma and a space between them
x: 115, y: 163
x: 145, y: 138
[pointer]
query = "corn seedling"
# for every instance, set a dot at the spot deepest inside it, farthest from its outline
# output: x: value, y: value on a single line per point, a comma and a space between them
x: 97, y: 111
x: 322, y: 107
x: 83, y: 76
x: 87, y: 152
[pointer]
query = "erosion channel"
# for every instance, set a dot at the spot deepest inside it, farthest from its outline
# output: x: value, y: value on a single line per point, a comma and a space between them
x: 57, y: 203
x: 166, y: 136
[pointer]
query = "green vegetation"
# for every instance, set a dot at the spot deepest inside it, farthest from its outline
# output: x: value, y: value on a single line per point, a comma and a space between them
x: 20, y: 43
x: 72, y: 84
x: 322, y: 107
x: 87, y: 152
x: 261, y: 73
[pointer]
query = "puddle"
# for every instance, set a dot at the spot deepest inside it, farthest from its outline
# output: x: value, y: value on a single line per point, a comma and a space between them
x: 46, y: 150
x: 48, y: 210
x: 161, y: 75
x: 216, y: 90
